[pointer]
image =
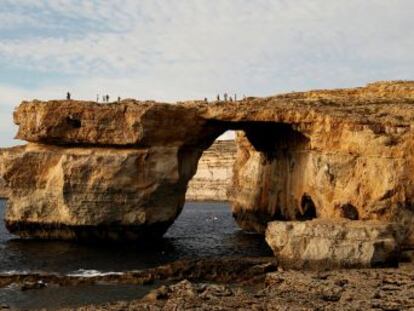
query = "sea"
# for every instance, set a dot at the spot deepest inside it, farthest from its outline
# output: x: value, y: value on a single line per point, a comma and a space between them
x: 204, y: 229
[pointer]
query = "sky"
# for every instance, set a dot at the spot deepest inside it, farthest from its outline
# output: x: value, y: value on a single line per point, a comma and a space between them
x: 171, y: 50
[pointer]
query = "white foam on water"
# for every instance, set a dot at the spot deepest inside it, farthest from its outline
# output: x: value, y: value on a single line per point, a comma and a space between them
x: 16, y: 272
x: 92, y: 273
x: 77, y: 273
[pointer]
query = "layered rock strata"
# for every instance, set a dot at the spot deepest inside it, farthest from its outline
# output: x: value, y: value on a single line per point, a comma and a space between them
x: 212, y: 180
x: 335, y: 243
x: 76, y: 193
x: 335, y: 154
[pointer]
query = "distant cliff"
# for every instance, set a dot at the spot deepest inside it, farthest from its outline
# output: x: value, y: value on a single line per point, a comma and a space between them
x: 214, y: 173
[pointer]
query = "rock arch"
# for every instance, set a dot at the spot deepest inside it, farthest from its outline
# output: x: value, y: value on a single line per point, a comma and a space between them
x: 120, y: 171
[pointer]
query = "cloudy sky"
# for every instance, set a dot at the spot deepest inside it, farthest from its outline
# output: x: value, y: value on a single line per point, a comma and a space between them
x: 181, y: 49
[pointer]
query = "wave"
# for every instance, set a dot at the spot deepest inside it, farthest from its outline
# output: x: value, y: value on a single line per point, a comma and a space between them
x: 77, y: 273
x: 92, y: 273
x: 16, y: 272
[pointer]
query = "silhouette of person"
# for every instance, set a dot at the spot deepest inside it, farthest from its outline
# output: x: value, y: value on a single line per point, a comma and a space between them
x: 68, y: 96
x: 235, y: 97
x: 218, y: 97
x: 225, y: 97
x: 231, y: 99
x: 97, y: 98
x: 107, y: 98
x: 119, y: 99
x: 205, y: 99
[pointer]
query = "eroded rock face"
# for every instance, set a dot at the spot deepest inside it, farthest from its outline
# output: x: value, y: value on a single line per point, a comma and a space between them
x: 337, y: 154
x: 129, y: 123
x: 298, y: 181
x: 333, y: 243
x: 86, y: 193
x: 214, y: 175
x: 346, y: 154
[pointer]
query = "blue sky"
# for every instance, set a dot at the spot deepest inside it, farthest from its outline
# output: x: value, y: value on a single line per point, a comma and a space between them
x: 183, y: 49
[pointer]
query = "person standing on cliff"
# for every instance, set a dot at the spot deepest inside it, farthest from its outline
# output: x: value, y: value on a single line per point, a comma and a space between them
x: 218, y: 97
x: 67, y: 96
x: 225, y: 97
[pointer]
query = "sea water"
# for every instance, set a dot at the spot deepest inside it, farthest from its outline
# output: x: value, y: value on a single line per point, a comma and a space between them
x: 203, y: 229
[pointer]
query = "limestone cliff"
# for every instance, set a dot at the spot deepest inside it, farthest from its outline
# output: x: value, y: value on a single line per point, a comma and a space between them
x: 214, y: 174
x: 75, y: 192
x: 97, y: 169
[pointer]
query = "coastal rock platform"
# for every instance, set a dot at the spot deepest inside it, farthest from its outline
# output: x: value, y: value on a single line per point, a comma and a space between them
x: 245, y: 284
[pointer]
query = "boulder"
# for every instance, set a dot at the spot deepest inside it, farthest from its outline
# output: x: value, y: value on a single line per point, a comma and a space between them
x: 331, y: 244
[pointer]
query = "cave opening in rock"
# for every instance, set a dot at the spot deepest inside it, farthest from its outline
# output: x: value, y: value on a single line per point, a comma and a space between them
x: 349, y: 211
x: 74, y: 122
x: 308, y: 210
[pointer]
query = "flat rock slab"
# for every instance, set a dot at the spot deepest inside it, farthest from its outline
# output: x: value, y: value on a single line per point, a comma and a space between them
x: 331, y: 244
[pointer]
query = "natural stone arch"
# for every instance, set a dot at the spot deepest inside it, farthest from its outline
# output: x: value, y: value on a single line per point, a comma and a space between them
x: 273, y: 142
x: 126, y: 166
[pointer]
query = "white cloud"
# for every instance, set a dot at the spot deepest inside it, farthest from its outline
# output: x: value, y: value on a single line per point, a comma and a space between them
x: 191, y: 49
x: 256, y: 36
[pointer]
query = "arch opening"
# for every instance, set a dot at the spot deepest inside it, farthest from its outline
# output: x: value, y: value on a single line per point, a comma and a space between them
x: 214, y: 171
x: 267, y: 181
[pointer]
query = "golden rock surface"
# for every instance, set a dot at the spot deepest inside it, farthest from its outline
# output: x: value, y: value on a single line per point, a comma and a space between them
x: 121, y: 170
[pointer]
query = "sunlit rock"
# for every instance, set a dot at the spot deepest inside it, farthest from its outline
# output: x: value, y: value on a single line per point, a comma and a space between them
x: 335, y: 243
x: 212, y: 181
x: 93, y: 170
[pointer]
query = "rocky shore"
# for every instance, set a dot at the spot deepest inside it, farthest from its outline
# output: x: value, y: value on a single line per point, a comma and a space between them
x: 247, y: 284
x: 387, y: 289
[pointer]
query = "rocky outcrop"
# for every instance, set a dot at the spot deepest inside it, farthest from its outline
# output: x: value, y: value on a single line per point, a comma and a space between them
x: 347, y: 156
x: 121, y: 173
x: 333, y: 243
x: 328, y: 154
x: 214, y: 174
x: 75, y: 193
